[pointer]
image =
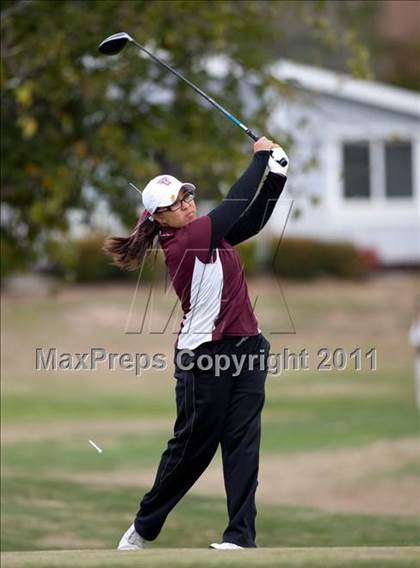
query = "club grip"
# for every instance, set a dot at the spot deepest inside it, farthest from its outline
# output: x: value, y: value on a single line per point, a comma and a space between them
x: 251, y: 134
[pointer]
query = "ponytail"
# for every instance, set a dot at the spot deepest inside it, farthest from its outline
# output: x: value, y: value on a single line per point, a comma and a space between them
x: 128, y: 252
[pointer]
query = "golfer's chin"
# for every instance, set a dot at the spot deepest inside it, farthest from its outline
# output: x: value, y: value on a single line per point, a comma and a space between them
x: 190, y: 217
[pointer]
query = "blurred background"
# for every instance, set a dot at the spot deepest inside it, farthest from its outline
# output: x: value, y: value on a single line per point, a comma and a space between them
x: 337, y: 85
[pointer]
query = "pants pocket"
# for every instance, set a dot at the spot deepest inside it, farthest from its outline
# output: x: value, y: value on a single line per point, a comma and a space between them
x: 266, y: 345
x: 183, y: 363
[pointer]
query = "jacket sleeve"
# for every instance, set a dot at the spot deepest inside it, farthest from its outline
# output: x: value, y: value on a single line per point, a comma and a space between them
x: 226, y: 214
x: 256, y: 216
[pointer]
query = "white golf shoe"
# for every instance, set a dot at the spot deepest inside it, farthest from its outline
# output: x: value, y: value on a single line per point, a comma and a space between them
x: 131, y: 540
x: 225, y: 546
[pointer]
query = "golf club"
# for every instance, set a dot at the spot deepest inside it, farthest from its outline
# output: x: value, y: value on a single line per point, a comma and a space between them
x: 116, y: 43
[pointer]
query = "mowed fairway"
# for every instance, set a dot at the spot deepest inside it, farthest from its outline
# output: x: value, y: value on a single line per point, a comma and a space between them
x: 340, y: 460
x: 183, y: 558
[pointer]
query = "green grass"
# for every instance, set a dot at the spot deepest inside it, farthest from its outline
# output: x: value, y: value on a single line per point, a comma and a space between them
x: 290, y: 424
x: 50, y: 406
x: 45, y: 508
x: 337, y: 423
x: 191, y: 558
x: 92, y: 515
x: 74, y: 454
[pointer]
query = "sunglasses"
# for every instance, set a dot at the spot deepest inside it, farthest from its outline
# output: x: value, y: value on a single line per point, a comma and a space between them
x: 186, y: 198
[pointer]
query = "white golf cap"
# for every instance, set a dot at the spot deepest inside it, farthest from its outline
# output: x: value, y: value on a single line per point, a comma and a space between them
x: 162, y: 191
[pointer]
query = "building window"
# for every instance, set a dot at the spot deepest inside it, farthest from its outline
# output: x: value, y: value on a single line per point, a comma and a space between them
x: 356, y: 165
x: 398, y: 169
x: 374, y: 169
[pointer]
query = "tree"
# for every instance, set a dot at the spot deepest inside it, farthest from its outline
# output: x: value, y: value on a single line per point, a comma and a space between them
x: 77, y: 125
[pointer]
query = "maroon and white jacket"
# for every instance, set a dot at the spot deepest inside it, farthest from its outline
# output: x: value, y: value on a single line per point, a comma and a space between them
x: 205, y: 269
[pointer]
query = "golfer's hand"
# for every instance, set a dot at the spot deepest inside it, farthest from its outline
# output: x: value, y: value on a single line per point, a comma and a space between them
x: 264, y: 143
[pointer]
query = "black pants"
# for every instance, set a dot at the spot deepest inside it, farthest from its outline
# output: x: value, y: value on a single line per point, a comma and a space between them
x: 213, y: 409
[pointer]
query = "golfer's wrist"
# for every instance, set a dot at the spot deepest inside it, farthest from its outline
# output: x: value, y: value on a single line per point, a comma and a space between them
x: 261, y: 157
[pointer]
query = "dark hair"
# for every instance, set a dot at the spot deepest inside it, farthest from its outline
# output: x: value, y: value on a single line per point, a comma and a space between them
x: 128, y: 252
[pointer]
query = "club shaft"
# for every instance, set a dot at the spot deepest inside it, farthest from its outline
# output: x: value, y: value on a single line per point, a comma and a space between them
x: 230, y: 116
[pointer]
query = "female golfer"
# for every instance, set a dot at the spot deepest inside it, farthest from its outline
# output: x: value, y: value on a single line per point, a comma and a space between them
x: 220, y: 353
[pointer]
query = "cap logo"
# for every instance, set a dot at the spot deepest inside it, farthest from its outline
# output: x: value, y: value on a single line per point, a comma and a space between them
x: 165, y: 181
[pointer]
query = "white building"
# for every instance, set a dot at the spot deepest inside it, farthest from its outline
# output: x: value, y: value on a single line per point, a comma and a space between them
x: 365, y: 137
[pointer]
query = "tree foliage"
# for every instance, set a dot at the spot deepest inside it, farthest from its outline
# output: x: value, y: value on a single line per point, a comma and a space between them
x: 77, y: 126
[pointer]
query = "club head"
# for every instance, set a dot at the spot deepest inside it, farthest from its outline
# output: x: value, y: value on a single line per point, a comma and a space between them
x: 114, y: 43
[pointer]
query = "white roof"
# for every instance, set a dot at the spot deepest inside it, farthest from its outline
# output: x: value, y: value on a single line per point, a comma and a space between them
x: 344, y: 86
